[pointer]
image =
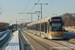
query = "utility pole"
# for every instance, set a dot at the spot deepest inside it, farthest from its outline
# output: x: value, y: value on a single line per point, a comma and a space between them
x: 10, y: 21
x: 38, y: 14
x: 29, y: 13
x: 55, y: 14
x: 31, y: 16
x: 41, y: 6
x: 16, y: 22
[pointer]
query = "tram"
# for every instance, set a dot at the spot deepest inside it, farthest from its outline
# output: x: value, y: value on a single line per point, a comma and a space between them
x: 51, y: 28
x: 14, y: 27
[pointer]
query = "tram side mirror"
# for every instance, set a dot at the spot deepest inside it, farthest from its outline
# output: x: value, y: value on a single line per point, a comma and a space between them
x: 63, y: 23
x: 50, y: 23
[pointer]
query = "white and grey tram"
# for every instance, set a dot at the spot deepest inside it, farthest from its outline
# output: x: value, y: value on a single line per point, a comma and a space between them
x: 51, y: 28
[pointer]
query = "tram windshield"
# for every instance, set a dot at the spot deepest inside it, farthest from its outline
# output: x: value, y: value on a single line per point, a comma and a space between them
x: 56, y: 27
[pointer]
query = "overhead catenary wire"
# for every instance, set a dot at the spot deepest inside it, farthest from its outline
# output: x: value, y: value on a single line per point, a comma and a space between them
x: 45, y: 5
x: 50, y: 1
x: 26, y: 5
x: 32, y: 8
x: 35, y: 5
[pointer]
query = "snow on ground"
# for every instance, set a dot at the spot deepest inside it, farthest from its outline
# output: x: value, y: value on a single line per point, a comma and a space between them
x: 70, y: 29
x: 3, y: 47
x: 14, y: 42
x: 70, y: 34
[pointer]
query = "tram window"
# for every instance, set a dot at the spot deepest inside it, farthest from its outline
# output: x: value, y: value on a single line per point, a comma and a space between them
x: 33, y: 27
x: 42, y: 27
x: 37, y: 27
x: 30, y: 27
x: 45, y: 27
x: 27, y: 27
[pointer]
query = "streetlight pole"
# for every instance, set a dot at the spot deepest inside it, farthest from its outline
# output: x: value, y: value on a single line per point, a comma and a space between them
x: 41, y: 6
x: 38, y: 14
x: 10, y: 21
x: 55, y: 14
x: 41, y: 12
x: 16, y: 22
x: 31, y: 16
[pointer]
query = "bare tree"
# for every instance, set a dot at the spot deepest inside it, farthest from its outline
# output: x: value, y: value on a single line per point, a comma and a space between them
x: 69, y: 19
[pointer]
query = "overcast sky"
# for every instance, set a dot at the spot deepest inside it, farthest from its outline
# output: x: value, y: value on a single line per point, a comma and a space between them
x: 12, y: 8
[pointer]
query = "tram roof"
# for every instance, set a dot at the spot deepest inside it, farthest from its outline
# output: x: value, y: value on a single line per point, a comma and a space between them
x: 42, y: 20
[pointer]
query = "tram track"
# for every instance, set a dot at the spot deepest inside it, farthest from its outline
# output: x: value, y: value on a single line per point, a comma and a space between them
x: 67, y: 46
x: 42, y: 43
x: 46, y: 45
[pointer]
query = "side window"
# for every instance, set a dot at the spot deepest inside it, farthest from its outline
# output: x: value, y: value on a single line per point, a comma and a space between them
x: 27, y: 27
x: 37, y: 27
x: 45, y: 27
x: 33, y: 27
x: 42, y: 27
x: 30, y: 27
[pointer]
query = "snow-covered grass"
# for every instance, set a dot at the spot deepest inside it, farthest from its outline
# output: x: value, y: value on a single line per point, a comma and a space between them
x: 70, y: 29
x: 14, y: 42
